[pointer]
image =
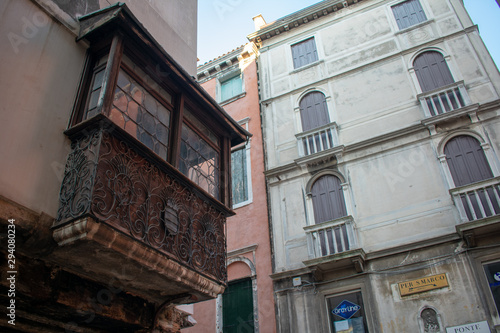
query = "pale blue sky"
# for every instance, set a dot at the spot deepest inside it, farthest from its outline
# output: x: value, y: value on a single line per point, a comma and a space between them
x: 224, y: 24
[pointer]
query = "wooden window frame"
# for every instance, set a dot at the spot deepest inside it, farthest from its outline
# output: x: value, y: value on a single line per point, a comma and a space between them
x: 118, y: 46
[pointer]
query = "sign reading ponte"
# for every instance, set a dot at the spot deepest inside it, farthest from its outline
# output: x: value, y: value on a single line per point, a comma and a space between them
x: 423, y: 284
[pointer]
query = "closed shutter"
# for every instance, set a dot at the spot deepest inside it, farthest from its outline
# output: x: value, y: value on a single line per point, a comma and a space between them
x: 237, y: 307
x: 408, y: 13
x: 231, y: 88
x: 313, y: 111
x: 466, y: 160
x: 328, y: 199
x: 304, y: 53
x: 432, y: 71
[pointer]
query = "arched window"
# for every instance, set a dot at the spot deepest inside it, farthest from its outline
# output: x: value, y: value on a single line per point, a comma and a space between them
x: 432, y: 71
x: 430, y: 321
x: 328, y: 199
x: 313, y: 111
x: 466, y: 160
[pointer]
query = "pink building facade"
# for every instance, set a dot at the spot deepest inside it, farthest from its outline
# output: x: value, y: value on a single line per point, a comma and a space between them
x: 248, y: 303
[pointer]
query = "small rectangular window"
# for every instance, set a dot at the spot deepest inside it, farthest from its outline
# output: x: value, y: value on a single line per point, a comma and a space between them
x: 304, y: 53
x: 408, y: 13
x: 231, y: 87
x: 493, y: 276
x: 239, y: 175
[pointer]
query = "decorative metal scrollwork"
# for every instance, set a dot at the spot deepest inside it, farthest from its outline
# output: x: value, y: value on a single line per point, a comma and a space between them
x: 79, y: 173
x: 133, y: 195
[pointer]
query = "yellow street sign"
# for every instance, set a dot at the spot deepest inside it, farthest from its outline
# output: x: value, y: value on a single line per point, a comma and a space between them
x: 423, y: 284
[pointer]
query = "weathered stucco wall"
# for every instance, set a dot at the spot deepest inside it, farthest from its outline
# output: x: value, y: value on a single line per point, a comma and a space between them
x: 41, y: 68
x: 389, y: 157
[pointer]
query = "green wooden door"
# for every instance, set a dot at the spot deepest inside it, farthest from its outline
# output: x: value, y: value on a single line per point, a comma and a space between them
x: 237, y: 307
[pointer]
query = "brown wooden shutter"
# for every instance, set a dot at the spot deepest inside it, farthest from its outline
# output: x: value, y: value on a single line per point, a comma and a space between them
x: 432, y: 71
x: 313, y: 111
x: 466, y: 160
x: 328, y: 199
x: 304, y: 53
x: 408, y: 13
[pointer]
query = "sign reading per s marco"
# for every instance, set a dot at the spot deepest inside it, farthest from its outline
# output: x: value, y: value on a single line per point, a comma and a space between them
x: 423, y: 284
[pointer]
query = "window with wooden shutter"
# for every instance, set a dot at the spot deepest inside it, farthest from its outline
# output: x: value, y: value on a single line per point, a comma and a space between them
x: 304, y: 53
x: 313, y: 111
x: 408, y: 13
x: 432, y: 71
x: 328, y: 199
x: 237, y: 307
x: 231, y: 87
x: 466, y: 160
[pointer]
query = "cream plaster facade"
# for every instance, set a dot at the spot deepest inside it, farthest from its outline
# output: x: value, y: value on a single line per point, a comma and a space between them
x: 402, y: 221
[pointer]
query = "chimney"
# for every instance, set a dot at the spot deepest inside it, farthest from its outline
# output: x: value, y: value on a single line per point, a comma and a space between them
x: 259, y: 22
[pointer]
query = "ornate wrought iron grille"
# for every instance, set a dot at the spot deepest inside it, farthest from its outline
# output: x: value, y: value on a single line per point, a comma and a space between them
x: 110, y: 180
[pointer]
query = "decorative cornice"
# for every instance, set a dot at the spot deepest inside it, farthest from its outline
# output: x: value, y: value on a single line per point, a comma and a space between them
x: 299, y: 18
x: 226, y: 62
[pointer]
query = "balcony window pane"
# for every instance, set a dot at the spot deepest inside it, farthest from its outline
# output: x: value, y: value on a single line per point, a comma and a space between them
x: 188, y: 114
x: 199, y: 161
x: 94, y: 92
x: 137, y: 111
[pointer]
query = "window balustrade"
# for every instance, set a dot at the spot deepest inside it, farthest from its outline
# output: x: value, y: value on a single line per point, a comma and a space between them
x: 331, y: 237
x: 317, y: 140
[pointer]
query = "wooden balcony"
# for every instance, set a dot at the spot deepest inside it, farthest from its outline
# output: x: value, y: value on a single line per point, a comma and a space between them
x: 123, y: 206
x: 479, y: 207
x: 332, y: 245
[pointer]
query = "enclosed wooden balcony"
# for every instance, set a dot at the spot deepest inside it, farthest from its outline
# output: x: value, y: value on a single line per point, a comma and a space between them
x: 146, y: 188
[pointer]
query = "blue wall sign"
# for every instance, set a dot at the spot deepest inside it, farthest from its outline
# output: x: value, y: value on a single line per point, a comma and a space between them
x: 346, y: 309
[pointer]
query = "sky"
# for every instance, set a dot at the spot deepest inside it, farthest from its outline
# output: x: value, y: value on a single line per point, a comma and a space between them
x: 224, y: 24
